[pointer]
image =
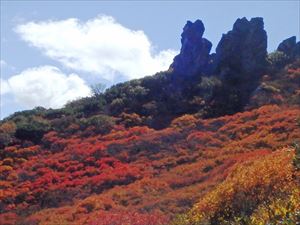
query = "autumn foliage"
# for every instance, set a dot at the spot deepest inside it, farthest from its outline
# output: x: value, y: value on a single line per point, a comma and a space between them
x: 259, y: 191
x: 137, y: 175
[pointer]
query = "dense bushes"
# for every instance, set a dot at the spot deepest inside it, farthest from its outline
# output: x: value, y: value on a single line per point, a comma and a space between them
x: 7, y: 132
x: 101, y: 123
x: 277, y: 60
x: 32, y: 130
x: 158, y: 99
x: 281, y: 88
x: 86, y: 106
x: 150, y: 172
x: 261, y: 191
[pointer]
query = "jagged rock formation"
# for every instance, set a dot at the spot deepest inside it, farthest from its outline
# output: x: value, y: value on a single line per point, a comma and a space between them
x: 243, y: 49
x: 290, y: 47
x: 239, y: 62
x: 194, y: 54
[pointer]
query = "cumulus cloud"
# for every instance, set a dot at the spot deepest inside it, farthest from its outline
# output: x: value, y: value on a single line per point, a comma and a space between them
x: 2, y: 63
x: 4, y: 87
x: 100, y: 45
x: 45, y: 86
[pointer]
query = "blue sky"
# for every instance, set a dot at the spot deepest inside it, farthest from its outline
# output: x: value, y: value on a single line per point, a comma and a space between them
x: 51, y: 51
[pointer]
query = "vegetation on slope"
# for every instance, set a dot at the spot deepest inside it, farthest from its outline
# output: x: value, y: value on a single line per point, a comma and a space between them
x: 161, y: 173
x: 217, y: 145
x: 259, y: 191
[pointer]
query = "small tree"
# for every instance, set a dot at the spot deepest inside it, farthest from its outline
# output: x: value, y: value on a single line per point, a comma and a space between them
x: 98, y: 89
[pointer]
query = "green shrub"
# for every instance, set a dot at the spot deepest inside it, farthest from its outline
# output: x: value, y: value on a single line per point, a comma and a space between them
x: 86, y: 106
x: 277, y: 60
x: 102, y: 123
x: 116, y: 106
x: 32, y: 129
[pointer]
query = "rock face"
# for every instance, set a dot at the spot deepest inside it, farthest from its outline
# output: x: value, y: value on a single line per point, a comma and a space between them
x: 290, y: 47
x: 194, y: 54
x: 243, y: 50
x: 239, y: 62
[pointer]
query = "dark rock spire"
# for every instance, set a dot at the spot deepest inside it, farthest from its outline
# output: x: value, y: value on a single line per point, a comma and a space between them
x: 239, y: 62
x: 243, y: 50
x: 194, y: 53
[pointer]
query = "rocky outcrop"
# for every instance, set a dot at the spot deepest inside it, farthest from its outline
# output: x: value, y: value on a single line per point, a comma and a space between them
x: 239, y: 62
x: 290, y: 47
x: 243, y: 50
x: 194, y: 54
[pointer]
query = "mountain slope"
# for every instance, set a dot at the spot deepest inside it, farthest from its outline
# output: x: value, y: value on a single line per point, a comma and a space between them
x: 138, y: 169
x: 213, y: 140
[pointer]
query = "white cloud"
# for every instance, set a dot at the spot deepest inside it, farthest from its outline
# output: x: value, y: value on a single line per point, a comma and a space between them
x: 45, y: 86
x: 4, y: 87
x: 100, y: 45
x: 2, y: 63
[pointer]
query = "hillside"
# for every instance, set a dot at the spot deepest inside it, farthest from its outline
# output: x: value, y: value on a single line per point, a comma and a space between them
x: 213, y: 140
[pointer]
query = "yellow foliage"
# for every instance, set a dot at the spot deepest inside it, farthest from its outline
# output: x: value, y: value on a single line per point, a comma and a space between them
x: 4, y: 169
x: 252, y: 185
x: 279, y: 211
x: 8, y: 127
x: 186, y: 121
